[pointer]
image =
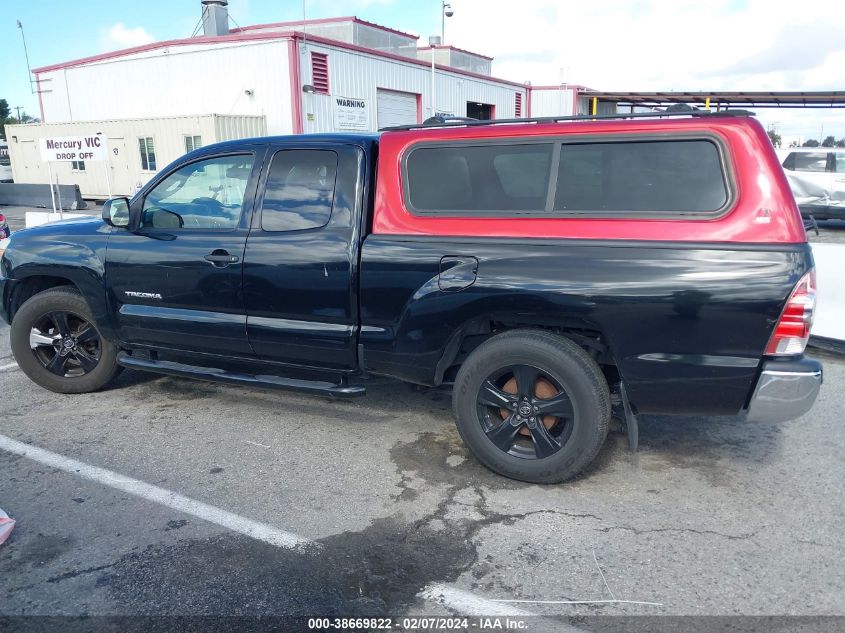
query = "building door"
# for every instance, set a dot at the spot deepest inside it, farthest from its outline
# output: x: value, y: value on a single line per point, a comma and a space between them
x: 396, y: 108
x: 480, y: 111
x: 31, y: 169
x: 121, y: 180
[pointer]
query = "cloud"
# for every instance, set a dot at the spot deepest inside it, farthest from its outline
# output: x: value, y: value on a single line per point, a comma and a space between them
x: 748, y: 45
x: 119, y: 35
x: 348, y: 6
x: 795, y: 47
x: 658, y: 44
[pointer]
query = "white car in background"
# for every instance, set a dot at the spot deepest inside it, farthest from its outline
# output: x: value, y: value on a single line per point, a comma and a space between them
x: 816, y: 176
x: 5, y: 169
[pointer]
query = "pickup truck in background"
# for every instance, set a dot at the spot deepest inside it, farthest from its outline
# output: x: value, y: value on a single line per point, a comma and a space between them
x: 816, y: 176
x: 548, y: 269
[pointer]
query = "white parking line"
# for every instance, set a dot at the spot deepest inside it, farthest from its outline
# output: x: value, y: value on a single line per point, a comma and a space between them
x: 467, y: 603
x: 461, y: 601
x: 9, y: 366
x: 168, y: 498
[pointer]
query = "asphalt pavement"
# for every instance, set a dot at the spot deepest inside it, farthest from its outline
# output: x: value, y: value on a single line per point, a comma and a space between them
x: 163, y: 496
x: 711, y: 516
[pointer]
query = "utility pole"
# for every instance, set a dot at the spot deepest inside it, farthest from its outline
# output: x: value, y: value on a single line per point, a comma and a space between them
x: 446, y: 11
x: 433, y: 42
x: 26, y: 54
x: 18, y: 109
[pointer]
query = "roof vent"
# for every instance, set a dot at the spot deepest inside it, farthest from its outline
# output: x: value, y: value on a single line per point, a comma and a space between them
x: 215, y: 17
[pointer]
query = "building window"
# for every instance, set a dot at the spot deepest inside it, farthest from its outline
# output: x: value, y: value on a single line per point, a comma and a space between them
x: 320, y: 72
x: 148, y: 153
x: 77, y: 165
x: 192, y: 143
x: 517, y: 104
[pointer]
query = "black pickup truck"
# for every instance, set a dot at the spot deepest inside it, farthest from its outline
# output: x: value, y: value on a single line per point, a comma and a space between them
x: 550, y: 270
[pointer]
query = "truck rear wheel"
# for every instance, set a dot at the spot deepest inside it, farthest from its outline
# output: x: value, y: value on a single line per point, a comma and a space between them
x: 56, y: 343
x: 532, y: 406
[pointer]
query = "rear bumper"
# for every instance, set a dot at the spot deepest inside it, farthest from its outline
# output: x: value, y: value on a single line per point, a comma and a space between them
x: 785, y: 390
x: 823, y: 212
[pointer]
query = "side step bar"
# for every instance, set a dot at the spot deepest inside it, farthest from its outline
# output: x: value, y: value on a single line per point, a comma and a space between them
x: 213, y: 374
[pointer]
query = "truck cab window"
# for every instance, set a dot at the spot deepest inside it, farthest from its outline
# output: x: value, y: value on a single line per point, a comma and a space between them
x: 206, y: 194
x: 300, y: 190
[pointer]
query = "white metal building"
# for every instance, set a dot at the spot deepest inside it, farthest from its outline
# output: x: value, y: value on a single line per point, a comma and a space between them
x: 562, y: 100
x: 292, y: 73
x: 338, y: 74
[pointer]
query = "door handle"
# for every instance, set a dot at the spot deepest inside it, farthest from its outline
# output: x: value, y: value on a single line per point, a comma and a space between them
x: 221, y: 258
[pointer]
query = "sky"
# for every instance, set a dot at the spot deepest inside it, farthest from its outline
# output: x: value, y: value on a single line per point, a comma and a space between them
x: 635, y: 45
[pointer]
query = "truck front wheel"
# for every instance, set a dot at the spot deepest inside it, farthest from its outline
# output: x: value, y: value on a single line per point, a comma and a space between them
x: 56, y: 343
x: 532, y: 405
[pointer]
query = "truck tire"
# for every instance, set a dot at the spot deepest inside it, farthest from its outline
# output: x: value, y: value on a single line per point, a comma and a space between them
x: 56, y: 343
x: 532, y: 406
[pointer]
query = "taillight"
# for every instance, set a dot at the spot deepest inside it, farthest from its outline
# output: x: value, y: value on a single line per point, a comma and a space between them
x: 793, y: 328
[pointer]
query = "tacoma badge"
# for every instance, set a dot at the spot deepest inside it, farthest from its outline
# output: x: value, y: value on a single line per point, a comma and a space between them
x: 142, y: 295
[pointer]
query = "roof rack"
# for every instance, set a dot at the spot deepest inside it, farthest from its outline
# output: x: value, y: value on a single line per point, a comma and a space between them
x: 464, y: 122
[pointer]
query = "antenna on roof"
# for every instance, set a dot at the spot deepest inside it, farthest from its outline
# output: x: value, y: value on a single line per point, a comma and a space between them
x: 26, y: 54
x: 197, y: 28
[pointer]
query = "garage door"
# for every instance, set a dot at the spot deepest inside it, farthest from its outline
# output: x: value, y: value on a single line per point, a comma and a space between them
x: 396, y: 108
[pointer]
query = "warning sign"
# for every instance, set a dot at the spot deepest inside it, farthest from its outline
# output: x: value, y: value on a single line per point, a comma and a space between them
x: 351, y: 114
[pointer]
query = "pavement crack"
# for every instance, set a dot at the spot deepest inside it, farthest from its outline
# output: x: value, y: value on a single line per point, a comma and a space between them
x: 77, y: 572
x: 811, y: 542
x: 732, y: 537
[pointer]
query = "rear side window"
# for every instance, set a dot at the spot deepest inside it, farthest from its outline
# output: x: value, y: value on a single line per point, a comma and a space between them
x: 639, y: 178
x: 806, y: 161
x: 299, y: 193
x: 506, y: 177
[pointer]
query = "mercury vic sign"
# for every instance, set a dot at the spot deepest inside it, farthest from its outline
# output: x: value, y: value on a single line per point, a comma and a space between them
x: 70, y: 148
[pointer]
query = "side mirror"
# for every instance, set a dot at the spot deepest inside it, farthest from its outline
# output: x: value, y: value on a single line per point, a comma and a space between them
x: 116, y: 212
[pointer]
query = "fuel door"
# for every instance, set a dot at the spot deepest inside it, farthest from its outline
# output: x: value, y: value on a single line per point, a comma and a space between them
x: 457, y: 272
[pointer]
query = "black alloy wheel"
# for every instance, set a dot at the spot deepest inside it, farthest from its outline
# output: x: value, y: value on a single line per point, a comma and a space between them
x: 57, y: 343
x: 65, y: 344
x: 525, y: 412
x: 532, y: 405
